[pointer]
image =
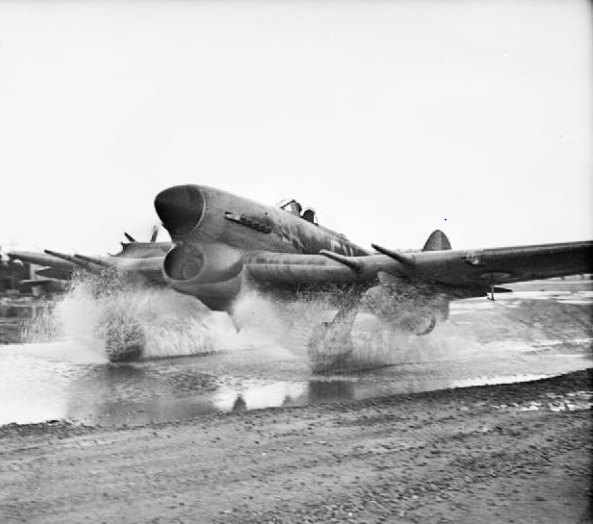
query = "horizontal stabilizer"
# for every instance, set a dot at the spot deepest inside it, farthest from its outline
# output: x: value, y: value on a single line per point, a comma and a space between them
x: 437, y: 241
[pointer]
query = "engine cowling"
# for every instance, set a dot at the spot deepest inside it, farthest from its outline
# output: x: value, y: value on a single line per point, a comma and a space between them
x: 210, y: 272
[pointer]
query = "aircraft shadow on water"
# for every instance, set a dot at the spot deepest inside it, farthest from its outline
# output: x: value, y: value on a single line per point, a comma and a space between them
x: 223, y: 244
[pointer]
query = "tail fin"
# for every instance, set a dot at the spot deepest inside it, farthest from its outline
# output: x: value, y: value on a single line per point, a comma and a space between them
x: 437, y: 241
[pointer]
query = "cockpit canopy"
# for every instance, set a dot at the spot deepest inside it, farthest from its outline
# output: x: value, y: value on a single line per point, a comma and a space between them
x: 295, y: 208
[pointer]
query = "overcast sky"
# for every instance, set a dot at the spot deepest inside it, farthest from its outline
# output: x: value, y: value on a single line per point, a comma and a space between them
x: 390, y: 118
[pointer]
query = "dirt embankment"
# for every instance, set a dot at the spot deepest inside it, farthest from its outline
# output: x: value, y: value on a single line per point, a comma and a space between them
x: 469, y: 455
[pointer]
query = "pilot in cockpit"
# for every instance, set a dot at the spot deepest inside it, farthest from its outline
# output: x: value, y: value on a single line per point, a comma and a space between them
x: 309, y: 215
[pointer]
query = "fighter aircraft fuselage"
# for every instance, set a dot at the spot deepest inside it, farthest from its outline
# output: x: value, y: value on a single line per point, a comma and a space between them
x: 204, y: 215
x: 217, y: 233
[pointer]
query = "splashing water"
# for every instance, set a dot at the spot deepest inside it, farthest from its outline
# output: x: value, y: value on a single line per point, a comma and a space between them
x: 119, y: 319
x: 125, y: 320
x: 287, y: 328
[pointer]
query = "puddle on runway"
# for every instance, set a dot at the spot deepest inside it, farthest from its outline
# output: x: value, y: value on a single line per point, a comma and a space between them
x: 34, y: 389
x: 484, y: 343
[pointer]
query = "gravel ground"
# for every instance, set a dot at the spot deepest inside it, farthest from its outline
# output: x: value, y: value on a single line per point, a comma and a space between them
x: 509, y: 453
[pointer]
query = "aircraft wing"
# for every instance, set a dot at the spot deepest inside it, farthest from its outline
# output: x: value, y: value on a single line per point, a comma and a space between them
x: 476, y: 270
x: 60, y: 265
x: 60, y: 268
x: 40, y: 259
x: 496, y: 266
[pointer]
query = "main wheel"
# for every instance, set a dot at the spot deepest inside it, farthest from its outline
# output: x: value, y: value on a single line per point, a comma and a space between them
x: 330, y: 344
x: 124, y: 338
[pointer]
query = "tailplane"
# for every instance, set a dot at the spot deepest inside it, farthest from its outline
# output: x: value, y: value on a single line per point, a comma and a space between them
x: 437, y: 241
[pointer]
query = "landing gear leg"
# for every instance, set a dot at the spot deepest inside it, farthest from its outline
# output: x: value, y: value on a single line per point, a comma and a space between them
x: 331, y: 342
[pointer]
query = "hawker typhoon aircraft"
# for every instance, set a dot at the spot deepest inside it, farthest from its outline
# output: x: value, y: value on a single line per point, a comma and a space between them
x: 224, y: 243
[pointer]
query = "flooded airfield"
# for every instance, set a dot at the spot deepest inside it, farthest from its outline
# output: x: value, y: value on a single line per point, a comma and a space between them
x: 195, y: 363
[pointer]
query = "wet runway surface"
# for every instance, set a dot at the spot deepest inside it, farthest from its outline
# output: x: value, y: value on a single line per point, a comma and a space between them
x: 543, y: 329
